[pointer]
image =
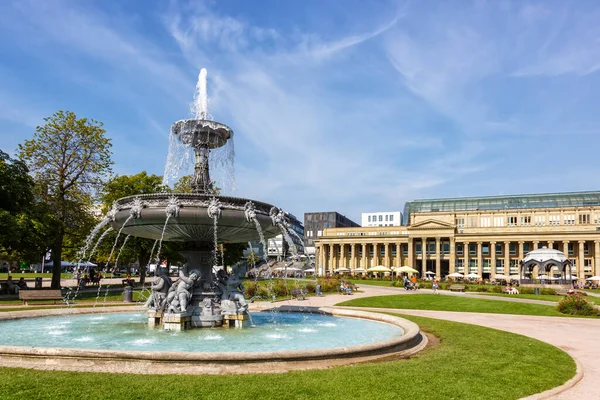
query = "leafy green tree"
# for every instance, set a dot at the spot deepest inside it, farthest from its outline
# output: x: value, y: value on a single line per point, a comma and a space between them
x: 252, y: 258
x: 131, y: 185
x: 25, y: 223
x: 184, y: 185
x: 70, y: 159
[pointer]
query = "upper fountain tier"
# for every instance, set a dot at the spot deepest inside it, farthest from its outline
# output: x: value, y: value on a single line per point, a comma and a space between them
x: 190, y: 219
x: 199, y: 133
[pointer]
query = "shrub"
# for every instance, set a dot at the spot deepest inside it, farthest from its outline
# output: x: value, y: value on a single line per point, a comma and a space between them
x: 526, y: 290
x: 575, y: 305
x: 547, y: 291
x: 329, y: 284
x: 481, y: 289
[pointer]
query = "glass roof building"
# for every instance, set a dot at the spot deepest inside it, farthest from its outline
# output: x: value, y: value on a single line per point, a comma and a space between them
x: 510, y: 202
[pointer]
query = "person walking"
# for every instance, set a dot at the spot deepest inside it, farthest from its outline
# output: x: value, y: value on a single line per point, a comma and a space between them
x: 435, y: 286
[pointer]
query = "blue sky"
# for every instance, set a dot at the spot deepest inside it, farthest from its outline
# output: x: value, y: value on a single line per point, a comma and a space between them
x: 347, y: 105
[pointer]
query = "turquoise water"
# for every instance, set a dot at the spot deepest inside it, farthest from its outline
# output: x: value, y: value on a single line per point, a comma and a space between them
x: 128, y: 331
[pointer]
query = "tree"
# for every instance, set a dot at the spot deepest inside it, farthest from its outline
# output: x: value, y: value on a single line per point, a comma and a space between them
x: 184, y: 185
x: 70, y: 159
x: 24, y: 222
x: 131, y: 185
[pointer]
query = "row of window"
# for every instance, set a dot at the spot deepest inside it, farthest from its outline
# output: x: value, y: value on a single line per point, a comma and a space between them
x: 380, y: 218
x: 524, y: 220
x: 460, y: 249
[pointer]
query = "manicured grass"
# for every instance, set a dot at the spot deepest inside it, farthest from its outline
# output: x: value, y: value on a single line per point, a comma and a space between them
x: 372, y: 282
x: 470, y: 362
x: 544, y: 297
x: 31, y: 275
x: 453, y: 303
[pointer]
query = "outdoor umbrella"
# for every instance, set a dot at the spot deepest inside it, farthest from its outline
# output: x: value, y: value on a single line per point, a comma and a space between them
x: 515, y: 277
x: 545, y: 277
x: 342, y: 270
x: 473, y: 275
x: 407, y: 269
x: 379, y: 268
x: 456, y: 275
x: 360, y: 270
x: 429, y: 273
x: 593, y: 278
x: 501, y: 277
x: 309, y: 270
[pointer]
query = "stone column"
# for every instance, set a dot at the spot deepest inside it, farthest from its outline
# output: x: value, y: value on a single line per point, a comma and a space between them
x: 520, y: 255
x: 353, y: 256
x: 332, y: 259
x: 466, y: 254
x: 411, y: 255
x: 375, y: 259
x: 566, y: 248
x: 398, y: 255
x: 424, y: 256
x: 479, y: 259
x: 493, y: 259
x: 438, y: 261
x: 536, y: 243
x: 507, y: 258
x: 596, y: 268
x: 386, y: 262
x: 363, y: 262
x: 452, y: 255
x: 580, y: 255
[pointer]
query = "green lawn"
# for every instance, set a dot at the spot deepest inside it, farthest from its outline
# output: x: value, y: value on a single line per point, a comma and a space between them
x: 31, y: 275
x: 453, y: 303
x: 373, y: 282
x: 544, y: 297
x: 90, y: 297
x: 470, y: 362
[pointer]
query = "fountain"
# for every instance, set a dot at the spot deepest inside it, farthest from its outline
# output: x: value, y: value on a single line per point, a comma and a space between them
x: 162, y: 339
x: 201, y: 220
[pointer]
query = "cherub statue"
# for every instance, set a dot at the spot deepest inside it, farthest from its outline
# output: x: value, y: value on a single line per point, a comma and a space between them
x: 234, y: 290
x: 160, y: 287
x: 180, y: 292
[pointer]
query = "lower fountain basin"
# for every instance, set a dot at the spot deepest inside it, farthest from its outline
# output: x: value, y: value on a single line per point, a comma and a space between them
x: 192, y: 224
x: 313, y: 338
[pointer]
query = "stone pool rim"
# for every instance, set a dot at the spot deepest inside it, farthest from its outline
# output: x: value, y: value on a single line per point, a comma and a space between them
x: 145, y: 361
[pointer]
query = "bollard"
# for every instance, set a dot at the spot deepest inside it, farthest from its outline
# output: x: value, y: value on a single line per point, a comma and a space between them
x: 536, y: 290
x: 128, y: 294
x: 38, y: 283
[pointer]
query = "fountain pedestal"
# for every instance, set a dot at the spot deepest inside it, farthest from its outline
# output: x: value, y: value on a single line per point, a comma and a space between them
x: 177, y: 322
x: 236, y: 320
x: 154, y: 318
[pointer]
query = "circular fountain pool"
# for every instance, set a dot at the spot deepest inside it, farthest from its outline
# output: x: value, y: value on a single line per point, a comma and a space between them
x: 128, y: 331
x: 282, y: 339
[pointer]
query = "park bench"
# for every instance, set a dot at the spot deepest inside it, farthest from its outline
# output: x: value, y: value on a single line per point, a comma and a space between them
x: 298, y: 293
x: 40, y: 295
x: 457, y: 288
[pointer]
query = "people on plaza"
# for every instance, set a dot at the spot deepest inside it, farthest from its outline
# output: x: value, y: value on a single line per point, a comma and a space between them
x: 435, y: 286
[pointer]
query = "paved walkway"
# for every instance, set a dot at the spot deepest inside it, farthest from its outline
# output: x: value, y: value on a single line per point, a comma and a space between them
x: 576, y: 336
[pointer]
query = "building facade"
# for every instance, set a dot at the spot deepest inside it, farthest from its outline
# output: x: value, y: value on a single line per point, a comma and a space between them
x: 393, y: 218
x: 316, y: 222
x: 483, y: 235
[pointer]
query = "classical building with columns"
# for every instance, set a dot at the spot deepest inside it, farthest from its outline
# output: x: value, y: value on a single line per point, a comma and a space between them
x: 483, y: 235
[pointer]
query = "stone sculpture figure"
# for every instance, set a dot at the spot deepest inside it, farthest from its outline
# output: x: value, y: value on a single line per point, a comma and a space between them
x: 160, y: 287
x: 180, y: 292
x: 232, y: 298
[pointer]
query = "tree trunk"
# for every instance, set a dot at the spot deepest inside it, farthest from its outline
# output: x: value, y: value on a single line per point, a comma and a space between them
x: 143, y: 259
x: 56, y: 257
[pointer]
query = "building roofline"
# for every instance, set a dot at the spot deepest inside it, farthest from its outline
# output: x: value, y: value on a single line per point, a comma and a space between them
x: 597, y: 193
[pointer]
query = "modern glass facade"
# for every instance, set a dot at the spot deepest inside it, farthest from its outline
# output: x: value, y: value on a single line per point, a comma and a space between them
x: 513, y: 202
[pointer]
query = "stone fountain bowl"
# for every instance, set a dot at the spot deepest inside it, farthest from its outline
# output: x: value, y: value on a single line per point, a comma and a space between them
x: 193, y: 222
x: 202, y: 133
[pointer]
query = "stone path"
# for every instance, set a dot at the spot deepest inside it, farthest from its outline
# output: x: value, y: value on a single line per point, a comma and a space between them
x: 576, y: 336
